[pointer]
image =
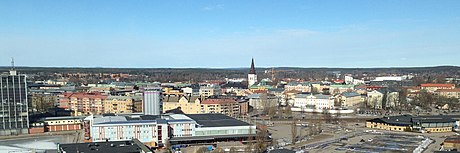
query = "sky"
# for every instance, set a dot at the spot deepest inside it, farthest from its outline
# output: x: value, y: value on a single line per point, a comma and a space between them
x: 227, y: 34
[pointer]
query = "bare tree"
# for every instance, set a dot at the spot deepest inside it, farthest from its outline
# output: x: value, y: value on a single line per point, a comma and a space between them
x: 294, y: 131
x: 202, y: 150
x: 327, y: 116
x: 233, y: 150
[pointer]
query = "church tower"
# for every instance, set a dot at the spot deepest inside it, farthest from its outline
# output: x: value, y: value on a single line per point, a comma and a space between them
x: 252, y: 76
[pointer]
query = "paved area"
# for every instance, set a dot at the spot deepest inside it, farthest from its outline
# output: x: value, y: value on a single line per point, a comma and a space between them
x: 37, y: 142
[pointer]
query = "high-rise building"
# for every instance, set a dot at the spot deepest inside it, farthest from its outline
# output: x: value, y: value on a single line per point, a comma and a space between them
x: 252, y: 76
x: 13, y: 107
x: 152, y: 103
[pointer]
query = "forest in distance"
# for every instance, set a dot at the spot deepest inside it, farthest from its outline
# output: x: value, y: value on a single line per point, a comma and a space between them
x: 200, y: 74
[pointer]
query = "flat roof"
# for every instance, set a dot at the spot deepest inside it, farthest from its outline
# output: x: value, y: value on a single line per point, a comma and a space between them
x: 216, y: 120
x: 104, y: 147
x: 212, y: 137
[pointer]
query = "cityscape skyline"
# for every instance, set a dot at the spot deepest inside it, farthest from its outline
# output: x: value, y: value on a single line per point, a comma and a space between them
x: 221, y: 34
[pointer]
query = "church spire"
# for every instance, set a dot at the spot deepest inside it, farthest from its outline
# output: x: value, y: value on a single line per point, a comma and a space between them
x: 253, y: 70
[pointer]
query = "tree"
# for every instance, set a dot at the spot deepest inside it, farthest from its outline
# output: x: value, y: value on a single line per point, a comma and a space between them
x: 424, y: 99
x: 202, y: 150
x: 294, y: 131
x: 260, y: 145
x: 233, y: 150
x: 327, y: 116
x: 272, y: 111
x: 287, y: 110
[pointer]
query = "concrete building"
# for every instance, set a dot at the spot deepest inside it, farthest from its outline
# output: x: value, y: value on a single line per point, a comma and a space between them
x: 298, y: 86
x: 236, y: 88
x: 252, y: 76
x: 374, y: 99
x: 263, y: 100
x: 82, y: 102
x: 156, y: 131
x: 210, y: 90
x: 14, y: 106
x: 118, y: 104
x: 349, y: 99
x: 340, y: 88
x: 318, y: 101
x: 449, y: 93
x: 227, y: 106
x: 152, y: 104
x: 67, y: 123
x: 389, y: 78
x: 187, y: 104
x: 431, y: 87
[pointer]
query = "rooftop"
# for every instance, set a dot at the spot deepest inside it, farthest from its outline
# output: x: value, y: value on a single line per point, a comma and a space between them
x: 106, y: 147
x: 216, y: 120
x: 218, y: 101
x: 437, y: 85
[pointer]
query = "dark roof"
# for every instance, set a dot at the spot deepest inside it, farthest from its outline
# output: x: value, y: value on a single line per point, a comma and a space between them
x: 252, y: 70
x: 239, y: 85
x: 402, y: 120
x: 102, y: 147
x: 150, y: 117
x: 350, y: 94
x: 177, y: 110
x: 406, y: 120
x: 210, y: 137
x: 216, y: 120
x: 436, y: 119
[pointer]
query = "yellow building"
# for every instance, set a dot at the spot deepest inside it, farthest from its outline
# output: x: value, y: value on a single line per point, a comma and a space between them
x: 171, y: 91
x: 350, y: 99
x: 439, y: 123
x: 449, y: 93
x: 118, y: 104
x: 225, y: 106
x: 188, y: 104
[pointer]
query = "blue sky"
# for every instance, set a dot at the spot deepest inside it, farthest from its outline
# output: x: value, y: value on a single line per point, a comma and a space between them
x: 217, y: 34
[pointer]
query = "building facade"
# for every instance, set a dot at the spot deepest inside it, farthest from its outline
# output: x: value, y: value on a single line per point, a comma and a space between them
x: 156, y: 131
x: 350, y: 99
x: 449, y: 93
x: 187, y: 104
x: 14, y: 106
x: 118, y: 104
x: 87, y: 103
x: 317, y: 101
x: 227, y: 106
x: 431, y: 87
x: 152, y: 104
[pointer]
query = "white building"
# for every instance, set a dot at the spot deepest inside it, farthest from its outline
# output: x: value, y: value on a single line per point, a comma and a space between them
x: 317, y: 101
x: 252, y: 76
x: 389, y: 78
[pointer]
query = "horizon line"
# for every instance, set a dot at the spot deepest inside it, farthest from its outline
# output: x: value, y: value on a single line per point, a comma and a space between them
x: 261, y: 67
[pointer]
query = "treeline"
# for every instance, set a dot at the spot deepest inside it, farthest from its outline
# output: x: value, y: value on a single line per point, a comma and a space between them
x: 424, y: 74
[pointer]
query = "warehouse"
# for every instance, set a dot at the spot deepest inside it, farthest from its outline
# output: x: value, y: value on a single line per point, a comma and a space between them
x: 436, y: 123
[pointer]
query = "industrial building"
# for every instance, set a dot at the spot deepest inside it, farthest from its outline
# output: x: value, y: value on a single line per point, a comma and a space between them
x: 436, y: 123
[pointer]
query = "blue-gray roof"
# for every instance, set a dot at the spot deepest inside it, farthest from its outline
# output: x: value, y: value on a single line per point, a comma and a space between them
x: 350, y: 94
